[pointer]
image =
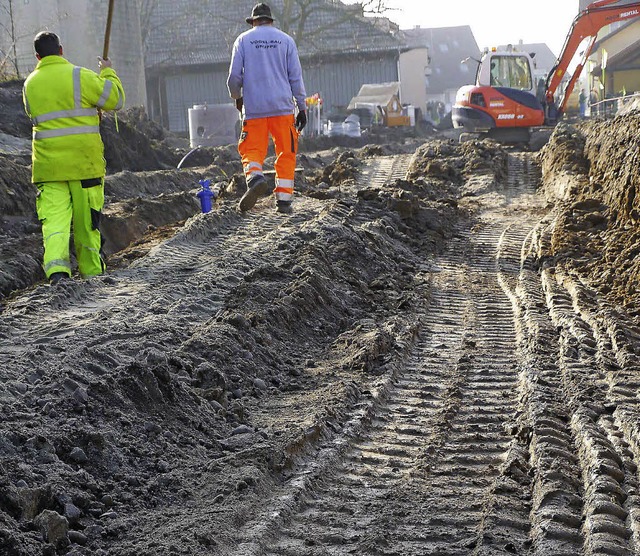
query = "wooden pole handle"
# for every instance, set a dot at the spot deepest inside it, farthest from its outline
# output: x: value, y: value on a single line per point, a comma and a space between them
x: 107, y: 33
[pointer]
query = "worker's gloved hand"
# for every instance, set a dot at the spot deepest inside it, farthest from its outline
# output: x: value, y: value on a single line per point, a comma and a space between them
x: 301, y: 120
x: 239, y: 104
x: 104, y: 62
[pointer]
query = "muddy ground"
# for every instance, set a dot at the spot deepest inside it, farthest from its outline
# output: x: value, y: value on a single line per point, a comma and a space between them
x: 186, y: 402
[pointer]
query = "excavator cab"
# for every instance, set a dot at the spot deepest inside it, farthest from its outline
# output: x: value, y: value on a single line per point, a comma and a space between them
x: 506, y: 69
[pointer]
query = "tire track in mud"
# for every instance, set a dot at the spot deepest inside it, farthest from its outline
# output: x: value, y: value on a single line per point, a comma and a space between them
x: 434, y: 465
x: 594, y: 380
x: 609, y: 475
x: 542, y: 427
x: 578, y: 382
x: 376, y: 173
x: 383, y: 170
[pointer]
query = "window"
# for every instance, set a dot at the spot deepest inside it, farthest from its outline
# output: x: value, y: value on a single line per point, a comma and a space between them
x: 511, y: 71
x: 478, y: 99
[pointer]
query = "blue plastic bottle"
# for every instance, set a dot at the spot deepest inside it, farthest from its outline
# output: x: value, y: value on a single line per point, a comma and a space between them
x: 205, y: 195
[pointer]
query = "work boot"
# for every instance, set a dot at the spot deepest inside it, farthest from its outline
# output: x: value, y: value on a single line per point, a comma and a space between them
x: 256, y: 187
x: 284, y: 207
x: 57, y: 276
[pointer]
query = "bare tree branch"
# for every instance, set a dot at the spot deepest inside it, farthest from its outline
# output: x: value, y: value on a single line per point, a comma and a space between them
x: 295, y: 14
x: 11, y: 30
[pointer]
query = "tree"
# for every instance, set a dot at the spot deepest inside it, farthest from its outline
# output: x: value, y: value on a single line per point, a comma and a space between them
x: 10, y: 57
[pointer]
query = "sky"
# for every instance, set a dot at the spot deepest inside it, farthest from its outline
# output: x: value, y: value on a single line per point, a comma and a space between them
x: 494, y: 22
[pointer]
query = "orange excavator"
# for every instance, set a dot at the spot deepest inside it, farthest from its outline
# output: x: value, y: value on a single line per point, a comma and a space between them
x: 505, y: 103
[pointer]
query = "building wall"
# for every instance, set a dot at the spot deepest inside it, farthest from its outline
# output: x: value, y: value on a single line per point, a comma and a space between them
x: 627, y: 80
x: 337, y: 81
x: 185, y: 90
x: 621, y: 40
x: 414, y: 65
x: 81, y: 26
x: 617, y: 79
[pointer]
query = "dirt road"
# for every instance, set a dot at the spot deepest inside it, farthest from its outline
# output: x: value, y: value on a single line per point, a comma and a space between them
x: 422, y: 359
x: 422, y: 469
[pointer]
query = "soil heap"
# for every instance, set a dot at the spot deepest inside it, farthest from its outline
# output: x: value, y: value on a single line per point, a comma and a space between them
x: 149, y: 410
x: 593, y: 170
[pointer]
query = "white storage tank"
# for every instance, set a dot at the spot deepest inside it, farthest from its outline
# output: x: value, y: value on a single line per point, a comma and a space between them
x: 411, y: 112
x: 212, y: 125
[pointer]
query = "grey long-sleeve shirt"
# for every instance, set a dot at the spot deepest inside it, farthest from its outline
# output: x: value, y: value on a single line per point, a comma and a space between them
x: 265, y: 70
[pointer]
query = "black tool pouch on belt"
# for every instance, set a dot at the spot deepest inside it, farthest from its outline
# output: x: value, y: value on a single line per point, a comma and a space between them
x: 91, y: 182
x: 95, y: 212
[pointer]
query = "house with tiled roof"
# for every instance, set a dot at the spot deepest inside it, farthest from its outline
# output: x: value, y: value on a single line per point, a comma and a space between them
x: 188, y: 49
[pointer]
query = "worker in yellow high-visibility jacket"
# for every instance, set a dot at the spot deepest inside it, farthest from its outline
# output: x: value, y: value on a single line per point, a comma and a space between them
x: 68, y: 165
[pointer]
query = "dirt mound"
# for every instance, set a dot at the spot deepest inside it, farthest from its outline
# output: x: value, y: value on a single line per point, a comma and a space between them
x: 596, y: 233
x: 451, y: 161
x: 180, y: 398
x: 133, y: 142
x: 343, y: 168
x: 564, y: 153
x: 20, y: 238
x: 441, y: 166
x: 17, y: 193
x: 13, y: 120
x: 442, y: 160
x: 486, y: 157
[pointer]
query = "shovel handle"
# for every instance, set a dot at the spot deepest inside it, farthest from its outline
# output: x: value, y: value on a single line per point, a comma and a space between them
x: 107, y: 33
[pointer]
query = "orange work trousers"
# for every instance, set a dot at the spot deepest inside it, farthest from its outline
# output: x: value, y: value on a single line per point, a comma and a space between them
x: 253, y: 145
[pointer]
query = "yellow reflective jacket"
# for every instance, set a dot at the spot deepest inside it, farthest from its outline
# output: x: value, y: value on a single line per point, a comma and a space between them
x: 62, y: 101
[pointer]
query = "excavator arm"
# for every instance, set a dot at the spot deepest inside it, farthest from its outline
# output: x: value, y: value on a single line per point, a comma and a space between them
x: 586, y: 24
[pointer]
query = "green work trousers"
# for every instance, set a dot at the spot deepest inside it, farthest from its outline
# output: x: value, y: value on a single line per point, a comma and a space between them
x: 60, y: 203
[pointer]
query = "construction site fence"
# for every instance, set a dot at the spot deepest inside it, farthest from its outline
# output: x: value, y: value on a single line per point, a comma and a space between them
x: 610, y: 107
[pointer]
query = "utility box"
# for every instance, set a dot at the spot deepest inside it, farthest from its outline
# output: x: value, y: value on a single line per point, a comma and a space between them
x: 213, y: 125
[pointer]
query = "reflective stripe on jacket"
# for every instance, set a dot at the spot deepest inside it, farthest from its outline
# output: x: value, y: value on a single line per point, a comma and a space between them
x: 62, y: 101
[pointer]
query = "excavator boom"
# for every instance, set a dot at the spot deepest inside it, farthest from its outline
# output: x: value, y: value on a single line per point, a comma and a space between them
x: 586, y: 25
